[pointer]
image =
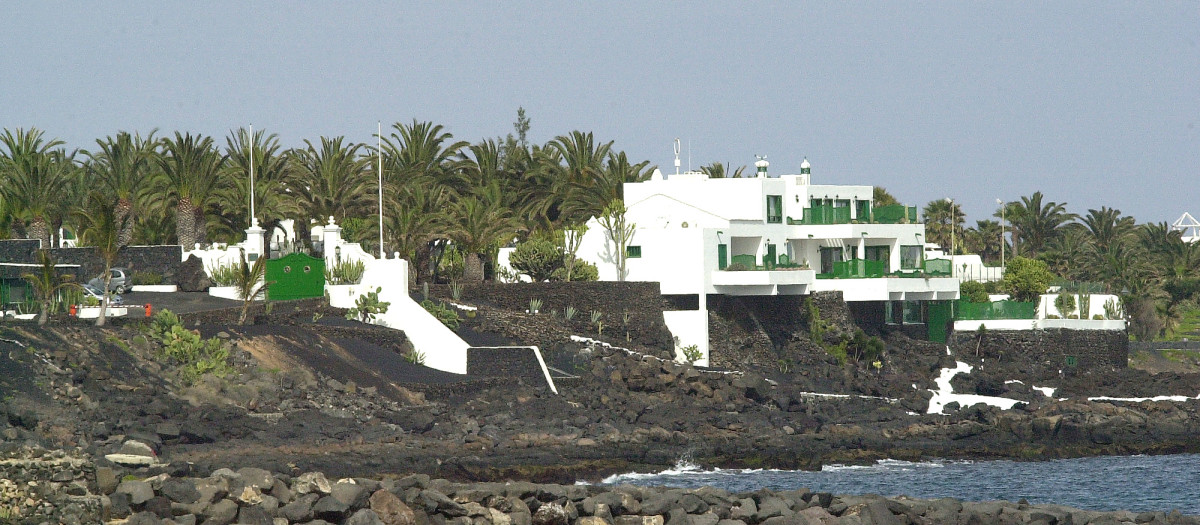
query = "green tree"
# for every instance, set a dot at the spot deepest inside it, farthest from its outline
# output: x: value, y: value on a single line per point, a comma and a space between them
x: 718, y: 170
x: 537, y: 257
x: 984, y: 239
x: 249, y: 282
x: 589, y: 197
x: 478, y: 224
x: 189, y: 171
x: 47, y: 283
x: 1025, y: 279
x: 124, y: 166
x: 36, y: 177
x: 330, y: 181
x: 1107, y: 226
x: 1035, y: 223
x: 881, y: 197
x: 101, y: 222
x: 272, y: 203
x: 943, y: 224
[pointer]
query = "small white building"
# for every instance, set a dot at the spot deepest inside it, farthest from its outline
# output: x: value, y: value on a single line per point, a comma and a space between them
x: 766, y: 235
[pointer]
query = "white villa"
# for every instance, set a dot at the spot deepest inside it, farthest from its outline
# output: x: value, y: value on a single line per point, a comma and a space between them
x: 774, y: 235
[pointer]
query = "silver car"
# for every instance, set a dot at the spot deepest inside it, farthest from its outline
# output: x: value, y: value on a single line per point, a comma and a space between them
x: 98, y: 293
x: 119, y: 283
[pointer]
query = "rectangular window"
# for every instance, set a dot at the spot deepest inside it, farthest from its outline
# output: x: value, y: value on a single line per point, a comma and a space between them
x: 774, y: 209
x: 910, y: 257
x: 913, y: 312
x: 633, y: 252
x: 863, y: 213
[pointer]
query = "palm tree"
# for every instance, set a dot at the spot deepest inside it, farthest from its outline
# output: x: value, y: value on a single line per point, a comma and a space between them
x: 1035, y: 223
x: 583, y: 157
x: 101, y: 223
x: 943, y: 224
x: 190, y: 167
x: 36, y: 177
x: 249, y: 283
x: 124, y: 165
x: 717, y: 170
x: 1106, y: 226
x: 414, y: 223
x: 478, y: 224
x: 421, y: 148
x: 329, y: 182
x: 1068, y: 255
x: 587, y: 199
x: 271, y: 195
x: 47, y: 284
x: 984, y: 239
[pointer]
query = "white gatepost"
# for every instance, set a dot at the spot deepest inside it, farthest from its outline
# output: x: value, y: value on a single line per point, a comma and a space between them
x: 255, y: 241
x: 331, y: 239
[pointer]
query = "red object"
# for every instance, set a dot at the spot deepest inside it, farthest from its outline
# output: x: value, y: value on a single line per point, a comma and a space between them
x: 147, y: 309
x: 72, y: 311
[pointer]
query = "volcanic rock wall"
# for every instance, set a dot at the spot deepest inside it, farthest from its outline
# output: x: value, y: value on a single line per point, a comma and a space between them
x: 1078, y: 349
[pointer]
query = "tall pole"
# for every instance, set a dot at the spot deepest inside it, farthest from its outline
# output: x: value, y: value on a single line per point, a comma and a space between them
x: 379, y: 161
x: 253, y: 219
x: 1002, y: 243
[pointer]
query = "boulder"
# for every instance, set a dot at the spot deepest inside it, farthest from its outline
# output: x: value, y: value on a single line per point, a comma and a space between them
x: 391, y: 510
x: 550, y: 514
x: 351, y: 494
x: 180, y: 490
x: 311, y: 482
x: 300, y: 509
x: 220, y: 513
x: 364, y: 517
x: 139, y: 491
x: 330, y: 509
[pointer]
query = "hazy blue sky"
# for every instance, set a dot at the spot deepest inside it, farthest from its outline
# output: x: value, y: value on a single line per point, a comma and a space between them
x: 1094, y: 103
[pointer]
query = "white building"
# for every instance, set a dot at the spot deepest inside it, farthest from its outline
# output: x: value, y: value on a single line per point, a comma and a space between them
x: 790, y: 236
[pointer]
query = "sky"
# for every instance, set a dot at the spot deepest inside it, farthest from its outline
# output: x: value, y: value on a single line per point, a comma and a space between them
x: 1092, y: 103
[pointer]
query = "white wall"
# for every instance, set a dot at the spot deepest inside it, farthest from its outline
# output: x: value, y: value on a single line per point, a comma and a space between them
x: 691, y: 328
x: 1046, y: 305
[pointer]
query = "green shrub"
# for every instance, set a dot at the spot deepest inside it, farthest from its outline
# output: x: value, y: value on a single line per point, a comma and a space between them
x: 415, y: 357
x: 1025, y: 279
x: 448, y: 316
x: 367, y: 306
x: 538, y: 258
x: 224, y: 274
x: 451, y: 264
x: 973, y: 291
x: 691, y: 353
x: 582, y: 271
x: 345, y: 272
x: 146, y: 278
x: 736, y: 267
x: 194, y: 355
x: 1065, y: 303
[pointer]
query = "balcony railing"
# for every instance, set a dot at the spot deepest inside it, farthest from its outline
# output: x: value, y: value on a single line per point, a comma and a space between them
x: 865, y: 269
x: 825, y: 214
x: 750, y: 262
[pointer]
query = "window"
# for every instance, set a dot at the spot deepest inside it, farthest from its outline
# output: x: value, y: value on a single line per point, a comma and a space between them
x: 878, y: 253
x: 864, y: 211
x: 910, y: 257
x: 633, y: 252
x: 774, y: 209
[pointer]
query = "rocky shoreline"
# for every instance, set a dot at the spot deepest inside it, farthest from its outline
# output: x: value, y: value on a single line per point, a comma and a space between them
x: 39, y: 486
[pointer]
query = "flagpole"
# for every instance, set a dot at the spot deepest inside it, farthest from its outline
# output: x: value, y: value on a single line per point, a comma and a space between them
x: 379, y: 161
x: 253, y: 219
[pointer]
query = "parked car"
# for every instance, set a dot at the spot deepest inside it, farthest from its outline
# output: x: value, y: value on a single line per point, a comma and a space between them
x: 98, y: 293
x: 119, y: 283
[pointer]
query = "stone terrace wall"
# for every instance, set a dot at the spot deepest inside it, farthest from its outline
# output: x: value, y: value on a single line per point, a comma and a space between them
x: 642, y: 300
x: 1092, y: 349
x: 163, y: 260
x: 36, y: 487
x: 513, y: 363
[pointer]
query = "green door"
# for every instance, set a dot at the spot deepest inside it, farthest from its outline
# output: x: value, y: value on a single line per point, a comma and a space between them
x: 722, y: 256
x: 770, y: 260
x: 295, y: 276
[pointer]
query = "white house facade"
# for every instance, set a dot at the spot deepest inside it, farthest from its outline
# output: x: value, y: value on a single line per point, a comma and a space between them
x: 769, y: 236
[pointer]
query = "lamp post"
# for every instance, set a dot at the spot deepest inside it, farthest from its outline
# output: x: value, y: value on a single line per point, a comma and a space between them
x: 1001, y: 203
x: 952, y: 224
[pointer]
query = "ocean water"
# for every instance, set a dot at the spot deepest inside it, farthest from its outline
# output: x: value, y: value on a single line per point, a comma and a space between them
x: 1135, y: 483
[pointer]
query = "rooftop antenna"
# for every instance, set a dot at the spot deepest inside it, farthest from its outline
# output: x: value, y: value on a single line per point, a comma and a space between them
x: 379, y: 161
x: 689, y: 155
x: 253, y: 218
x: 676, y: 147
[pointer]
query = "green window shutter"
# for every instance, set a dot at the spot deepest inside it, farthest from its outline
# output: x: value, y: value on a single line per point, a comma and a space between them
x: 633, y: 252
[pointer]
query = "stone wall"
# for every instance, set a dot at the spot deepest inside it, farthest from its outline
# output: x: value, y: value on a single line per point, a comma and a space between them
x: 163, y: 260
x: 512, y: 362
x: 642, y: 301
x: 753, y: 329
x: 1091, y: 349
x: 39, y: 486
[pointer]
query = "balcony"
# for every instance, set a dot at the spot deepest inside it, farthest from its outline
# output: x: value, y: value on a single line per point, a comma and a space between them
x: 825, y: 214
x: 788, y: 281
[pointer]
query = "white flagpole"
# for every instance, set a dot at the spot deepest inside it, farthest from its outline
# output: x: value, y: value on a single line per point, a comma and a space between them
x: 379, y: 161
x: 253, y: 219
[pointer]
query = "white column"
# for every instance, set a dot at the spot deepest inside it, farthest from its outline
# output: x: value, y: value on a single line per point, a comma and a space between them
x: 254, y: 244
x: 862, y: 248
x: 331, y: 240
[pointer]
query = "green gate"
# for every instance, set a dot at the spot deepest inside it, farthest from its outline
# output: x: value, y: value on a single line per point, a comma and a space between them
x: 940, y: 315
x: 295, y: 276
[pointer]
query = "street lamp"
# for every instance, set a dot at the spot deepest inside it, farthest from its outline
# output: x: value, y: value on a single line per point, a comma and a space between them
x: 952, y: 221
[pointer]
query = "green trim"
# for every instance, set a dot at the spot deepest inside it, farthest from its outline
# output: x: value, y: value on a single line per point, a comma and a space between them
x: 633, y: 252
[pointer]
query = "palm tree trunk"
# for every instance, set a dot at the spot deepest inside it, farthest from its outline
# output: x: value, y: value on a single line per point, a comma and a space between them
x: 473, y: 268
x: 201, y: 223
x: 122, y: 213
x: 185, y: 223
x: 38, y: 229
